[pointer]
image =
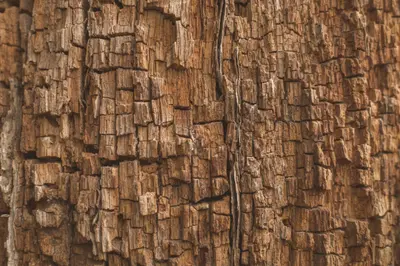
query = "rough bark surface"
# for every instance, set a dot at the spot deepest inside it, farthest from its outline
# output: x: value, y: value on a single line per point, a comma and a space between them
x: 199, y: 132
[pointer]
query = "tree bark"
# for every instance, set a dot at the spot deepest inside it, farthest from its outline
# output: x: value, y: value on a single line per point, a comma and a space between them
x: 199, y: 132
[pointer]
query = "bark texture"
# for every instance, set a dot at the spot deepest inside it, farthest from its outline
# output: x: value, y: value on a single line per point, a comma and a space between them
x: 199, y: 132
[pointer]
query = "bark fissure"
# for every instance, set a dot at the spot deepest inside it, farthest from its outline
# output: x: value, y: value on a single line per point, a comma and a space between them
x: 237, y: 161
x: 15, y: 133
x: 218, y: 48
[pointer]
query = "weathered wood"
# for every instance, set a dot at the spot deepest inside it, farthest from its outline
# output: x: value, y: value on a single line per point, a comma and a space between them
x: 230, y: 132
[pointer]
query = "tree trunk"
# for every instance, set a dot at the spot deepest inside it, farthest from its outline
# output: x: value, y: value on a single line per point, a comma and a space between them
x: 199, y: 132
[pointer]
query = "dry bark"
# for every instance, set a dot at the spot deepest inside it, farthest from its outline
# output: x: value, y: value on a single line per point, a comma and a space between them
x: 199, y: 132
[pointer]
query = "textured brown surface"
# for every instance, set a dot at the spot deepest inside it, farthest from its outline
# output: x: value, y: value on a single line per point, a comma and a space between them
x: 199, y: 132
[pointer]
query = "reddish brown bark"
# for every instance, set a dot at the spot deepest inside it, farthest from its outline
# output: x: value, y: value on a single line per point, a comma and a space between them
x: 186, y: 132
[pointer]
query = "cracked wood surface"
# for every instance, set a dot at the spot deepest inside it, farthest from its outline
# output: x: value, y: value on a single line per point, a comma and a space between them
x: 183, y: 132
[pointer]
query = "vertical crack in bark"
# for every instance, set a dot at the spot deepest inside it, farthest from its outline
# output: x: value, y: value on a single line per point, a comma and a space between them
x: 236, y: 170
x: 218, y: 47
x: 15, y: 118
x: 85, y: 69
x: 201, y: 7
x: 84, y: 102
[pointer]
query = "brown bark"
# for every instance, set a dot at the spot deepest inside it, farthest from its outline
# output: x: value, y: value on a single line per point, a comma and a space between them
x: 199, y: 132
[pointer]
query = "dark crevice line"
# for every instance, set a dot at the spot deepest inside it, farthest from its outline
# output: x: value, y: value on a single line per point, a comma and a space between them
x: 218, y: 49
x: 119, y: 4
x: 237, y: 158
x: 83, y: 97
x: 84, y: 102
x: 213, y: 198
x: 233, y: 145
